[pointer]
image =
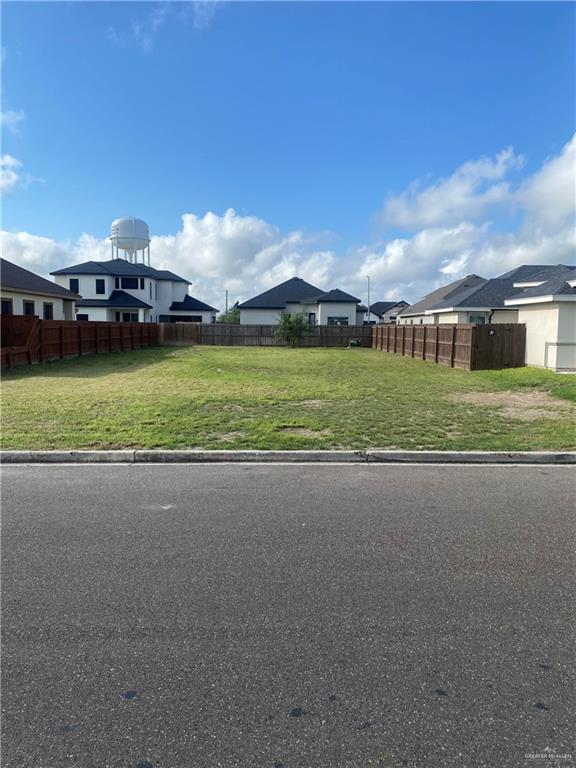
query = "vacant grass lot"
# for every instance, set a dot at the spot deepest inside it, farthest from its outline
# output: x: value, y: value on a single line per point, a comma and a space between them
x: 242, y: 397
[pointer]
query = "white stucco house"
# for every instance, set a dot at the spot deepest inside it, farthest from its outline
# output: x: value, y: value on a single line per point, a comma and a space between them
x: 25, y: 293
x: 548, y: 309
x: 121, y: 291
x: 295, y: 296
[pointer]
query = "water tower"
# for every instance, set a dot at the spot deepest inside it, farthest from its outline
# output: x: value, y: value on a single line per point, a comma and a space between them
x: 131, y: 236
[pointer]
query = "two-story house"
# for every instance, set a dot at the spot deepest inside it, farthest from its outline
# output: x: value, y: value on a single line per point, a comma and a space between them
x: 121, y: 291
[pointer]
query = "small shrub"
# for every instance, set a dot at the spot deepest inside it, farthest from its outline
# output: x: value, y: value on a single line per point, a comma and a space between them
x: 291, y: 328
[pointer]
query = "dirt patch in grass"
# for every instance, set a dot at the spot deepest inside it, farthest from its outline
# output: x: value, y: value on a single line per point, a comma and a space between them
x: 305, y: 432
x: 523, y: 406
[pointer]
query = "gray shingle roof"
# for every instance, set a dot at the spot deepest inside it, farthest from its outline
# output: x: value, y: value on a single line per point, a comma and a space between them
x: 557, y: 286
x: 335, y: 295
x: 528, y: 273
x: 443, y: 293
x: 190, y: 303
x: 119, y: 299
x: 119, y: 268
x: 381, y: 307
x: 293, y: 290
x: 20, y: 279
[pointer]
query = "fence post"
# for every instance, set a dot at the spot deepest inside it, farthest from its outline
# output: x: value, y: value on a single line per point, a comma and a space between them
x: 436, y: 344
x: 412, y: 350
x: 453, y: 349
x: 79, y: 341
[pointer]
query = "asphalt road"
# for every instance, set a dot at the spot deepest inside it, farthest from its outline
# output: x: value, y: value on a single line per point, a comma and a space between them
x: 304, y: 616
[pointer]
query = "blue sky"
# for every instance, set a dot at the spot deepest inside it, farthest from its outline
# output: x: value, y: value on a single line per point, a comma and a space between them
x: 310, y: 120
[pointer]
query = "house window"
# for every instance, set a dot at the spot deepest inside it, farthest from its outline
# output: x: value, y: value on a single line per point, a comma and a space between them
x: 478, y: 319
x: 131, y: 283
x: 142, y: 285
x: 156, y: 291
x: 100, y: 286
x: 81, y: 317
x: 337, y: 321
x: 48, y: 311
x: 29, y: 308
x: 6, y: 306
x: 150, y: 288
x: 117, y: 283
x: 129, y: 317
x: 73, y: 281
x: 311, y: 318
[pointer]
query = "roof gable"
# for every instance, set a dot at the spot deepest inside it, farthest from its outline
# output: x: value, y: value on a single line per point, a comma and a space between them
x: 444, y: 292
x: 293, y: 290
x: 336, y: 295
x: 20, y: 279
x: 190, y: 303
x: 119, y: 268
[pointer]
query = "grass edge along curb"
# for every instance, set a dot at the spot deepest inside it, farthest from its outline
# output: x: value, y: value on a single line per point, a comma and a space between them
x: 311, y: 456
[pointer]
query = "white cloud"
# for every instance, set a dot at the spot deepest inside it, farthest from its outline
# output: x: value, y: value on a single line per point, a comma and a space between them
x: 11, y: 119
x: 466, y: 194
x: 144, y: 30
x: 246, y: 254
x: 9, y: 172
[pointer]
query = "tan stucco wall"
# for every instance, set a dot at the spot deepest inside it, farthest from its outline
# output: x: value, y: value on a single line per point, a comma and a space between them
x: 541, y: 322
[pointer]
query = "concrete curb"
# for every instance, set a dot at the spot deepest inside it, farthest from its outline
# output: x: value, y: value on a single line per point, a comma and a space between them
x: 348, y: 457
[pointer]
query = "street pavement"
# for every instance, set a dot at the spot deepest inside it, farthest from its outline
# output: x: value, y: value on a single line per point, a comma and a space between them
x: 287, y: 616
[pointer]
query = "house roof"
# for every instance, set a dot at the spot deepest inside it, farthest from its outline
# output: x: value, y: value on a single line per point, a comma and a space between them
x: 489, y: 295
x: 119, y: 299
x: 528, y: 273
x: 293, y: 290
x: 190, y: 303
x: 119, y: 268
x: 335, y: 295
x: 443, y: 293
x: 381, y: 307
x: 19, y: 279
x: 557, y: 286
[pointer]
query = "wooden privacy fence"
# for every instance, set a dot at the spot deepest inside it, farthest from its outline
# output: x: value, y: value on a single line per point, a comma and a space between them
x: 470, y: 347
x: 260, y: 335
x: 27, y: 340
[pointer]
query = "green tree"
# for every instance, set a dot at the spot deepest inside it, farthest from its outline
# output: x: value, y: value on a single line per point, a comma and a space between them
x: 291, y: 328
x: 232, y: 316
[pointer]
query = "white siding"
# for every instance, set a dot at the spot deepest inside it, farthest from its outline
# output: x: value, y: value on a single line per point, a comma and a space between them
x: 58, y: 304
x: 260, y: 316
x: 336, y: 309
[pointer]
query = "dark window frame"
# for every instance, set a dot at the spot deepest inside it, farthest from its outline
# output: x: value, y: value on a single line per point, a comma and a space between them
x: 338, y: 318
x: 82, y: 317
x: 74, y: 284
x: 6, y: 302
x: 129, y: 283
x: 47, y: 308
x: 100, y: 286
x: 26, y: 304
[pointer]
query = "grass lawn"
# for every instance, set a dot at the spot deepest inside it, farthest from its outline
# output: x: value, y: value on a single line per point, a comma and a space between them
x: 250, y: 397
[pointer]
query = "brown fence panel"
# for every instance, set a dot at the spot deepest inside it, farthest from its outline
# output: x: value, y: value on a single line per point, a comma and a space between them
x: 499, y: 346
x: 466, y: 346
x: 259, y: 335
x: 30, y: 340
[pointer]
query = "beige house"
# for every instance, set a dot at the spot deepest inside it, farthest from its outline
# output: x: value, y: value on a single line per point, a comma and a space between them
x: 25, y: 293
x: 548, y: 309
